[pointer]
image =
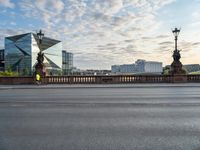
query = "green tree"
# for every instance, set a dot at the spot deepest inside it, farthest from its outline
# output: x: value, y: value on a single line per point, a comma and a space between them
x: 166, y: 70
x: 8, y: 73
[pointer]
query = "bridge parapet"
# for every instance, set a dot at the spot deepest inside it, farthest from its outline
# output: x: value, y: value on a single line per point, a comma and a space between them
x: 113, y: 79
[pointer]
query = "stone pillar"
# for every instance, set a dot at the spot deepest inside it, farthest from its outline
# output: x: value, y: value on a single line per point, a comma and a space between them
x: 179, y: 78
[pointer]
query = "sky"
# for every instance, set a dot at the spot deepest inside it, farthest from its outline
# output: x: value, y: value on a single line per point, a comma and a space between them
x: 101, y: 33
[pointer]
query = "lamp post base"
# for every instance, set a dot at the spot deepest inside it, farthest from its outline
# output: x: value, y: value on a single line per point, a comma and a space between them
x: 39, y: 69
x: 176, y: 68
x: 179, y: 78
x: 179, y: 75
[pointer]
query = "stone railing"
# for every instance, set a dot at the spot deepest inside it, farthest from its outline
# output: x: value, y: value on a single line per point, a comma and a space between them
x: 193, y: 78
x: 16, y: 80
x: 114, y: 79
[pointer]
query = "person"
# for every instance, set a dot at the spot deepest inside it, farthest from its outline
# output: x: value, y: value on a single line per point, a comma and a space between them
x: 37, y: 78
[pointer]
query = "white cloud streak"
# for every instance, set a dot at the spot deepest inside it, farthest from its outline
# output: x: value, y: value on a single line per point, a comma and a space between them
x: 7, y: 4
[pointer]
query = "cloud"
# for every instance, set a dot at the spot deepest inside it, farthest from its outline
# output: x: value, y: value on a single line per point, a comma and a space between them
x: 196, y: 44
x: 117, y: 29
x: 50, y: 5
x: 166, y: 43
x: 162, y: 36
x: 48, y: 11
x: 7, y: 4
x: 58, y: 5
x: 107, y: 7
x: 114, y: 6
x: 188, y: 46
x: 9, y: 32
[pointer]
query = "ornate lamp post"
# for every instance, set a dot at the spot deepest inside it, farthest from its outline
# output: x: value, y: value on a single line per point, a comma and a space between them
x: 176, y: 33
x: 176, y: 66
x: 40, y: 36
x: 39, y: 67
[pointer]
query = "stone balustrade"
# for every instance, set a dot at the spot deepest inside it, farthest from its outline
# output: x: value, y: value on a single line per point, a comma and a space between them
x: 112, y: 79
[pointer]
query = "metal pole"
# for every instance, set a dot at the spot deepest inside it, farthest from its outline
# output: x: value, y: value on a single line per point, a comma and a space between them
x: 176, y: 42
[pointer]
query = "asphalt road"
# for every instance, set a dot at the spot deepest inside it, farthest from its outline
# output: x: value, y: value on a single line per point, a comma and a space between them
x: 109, y: 118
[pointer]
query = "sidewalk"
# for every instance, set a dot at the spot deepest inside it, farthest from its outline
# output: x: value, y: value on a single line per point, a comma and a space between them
x: 64, y: 86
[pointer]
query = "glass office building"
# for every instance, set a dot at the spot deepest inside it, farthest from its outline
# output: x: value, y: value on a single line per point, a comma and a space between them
x: 67, y: 63
x: 21, y: 54
x: 2, y: 60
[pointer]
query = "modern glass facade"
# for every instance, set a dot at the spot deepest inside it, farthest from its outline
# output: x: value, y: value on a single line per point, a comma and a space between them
x: 21, y: 54
x: 67, y: 63
x: 2, y: 60
x: 2, y: 55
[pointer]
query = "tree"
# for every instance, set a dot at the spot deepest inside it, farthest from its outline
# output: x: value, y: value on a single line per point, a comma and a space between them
x: 166, y: 70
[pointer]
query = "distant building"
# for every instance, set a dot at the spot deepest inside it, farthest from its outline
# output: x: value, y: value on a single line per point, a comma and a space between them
x: 2, y: 63
x: 115, y: 69
x: 123, y: 69
x: 192, y: 67
x: 144, y: 66
x: 92, y: 72
x: 127, y: 68
x: 140, y: 66
x: 67, y: 63
x: 21, y: 54
x: 76, y: 71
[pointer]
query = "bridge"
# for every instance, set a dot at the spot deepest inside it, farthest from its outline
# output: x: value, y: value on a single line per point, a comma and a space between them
x: 111, y: 79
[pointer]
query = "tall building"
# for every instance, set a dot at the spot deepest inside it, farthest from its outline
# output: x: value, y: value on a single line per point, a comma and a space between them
x: 2, y: 60
x: 140, y: 66
x: 21, y: 53
x: 67, y: 63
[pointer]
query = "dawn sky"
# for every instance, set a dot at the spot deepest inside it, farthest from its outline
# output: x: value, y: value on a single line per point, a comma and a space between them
x: 101, y: 33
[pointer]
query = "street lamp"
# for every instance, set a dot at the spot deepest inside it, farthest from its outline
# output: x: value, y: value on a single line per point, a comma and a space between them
x: 40, y: 58
x: 176, y: 54
x: 40, y: 36
x: 176, y: 66
x: 176, y: 32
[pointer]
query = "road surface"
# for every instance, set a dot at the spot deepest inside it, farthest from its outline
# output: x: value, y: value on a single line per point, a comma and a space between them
x: 139, y: 117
